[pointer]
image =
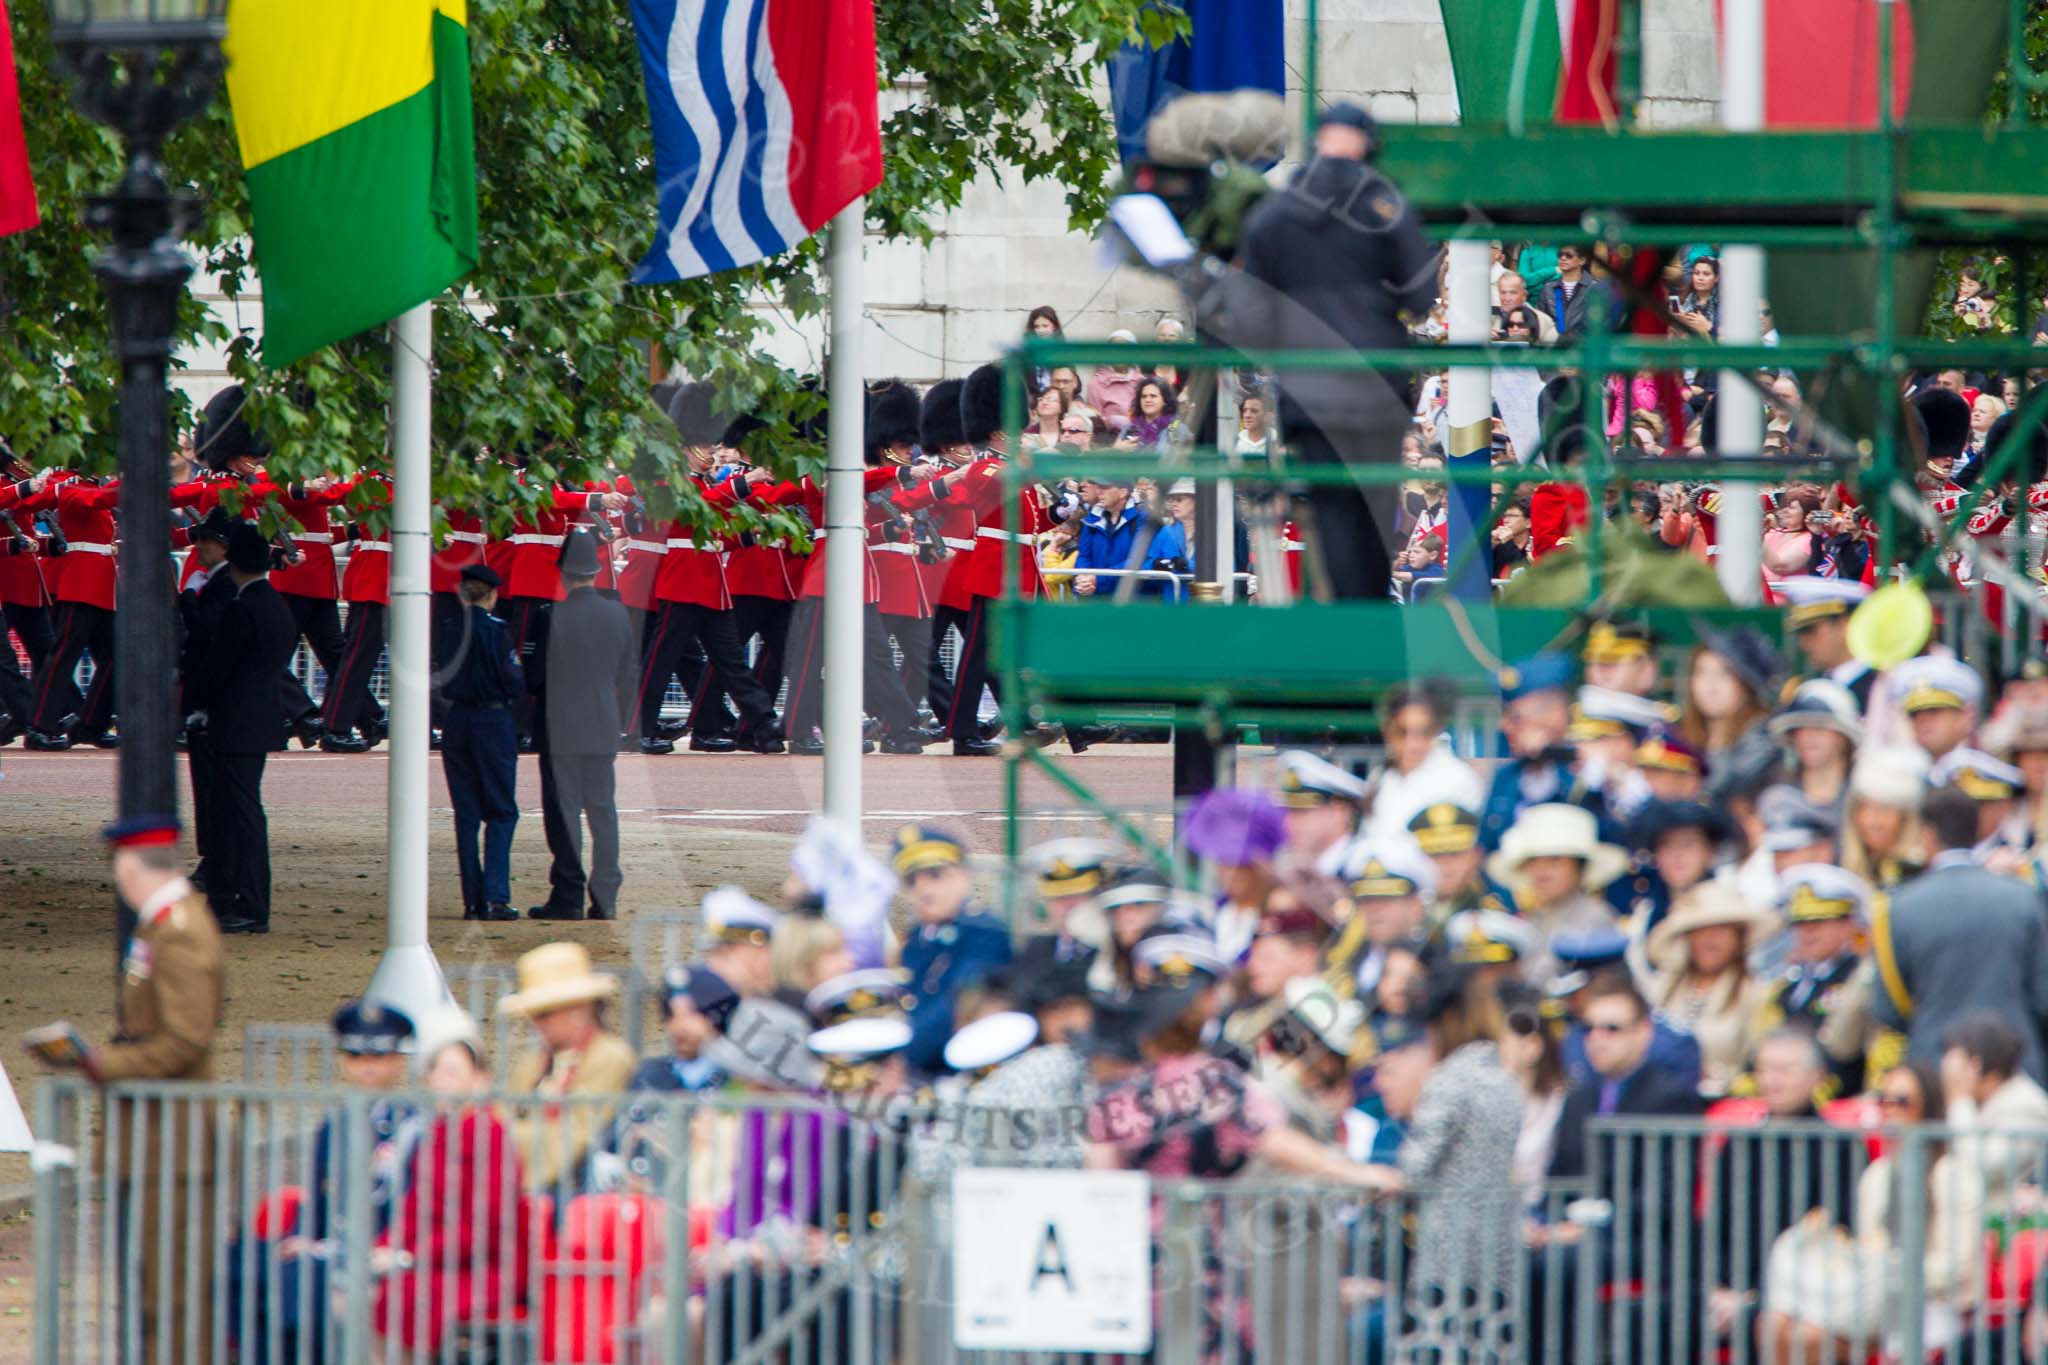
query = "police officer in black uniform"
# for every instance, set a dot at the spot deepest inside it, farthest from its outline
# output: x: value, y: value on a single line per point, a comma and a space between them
x: 1332, y: 262
x: 483, y: 684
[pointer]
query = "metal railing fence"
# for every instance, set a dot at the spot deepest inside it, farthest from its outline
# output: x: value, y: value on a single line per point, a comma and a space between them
x: 260, y: 1223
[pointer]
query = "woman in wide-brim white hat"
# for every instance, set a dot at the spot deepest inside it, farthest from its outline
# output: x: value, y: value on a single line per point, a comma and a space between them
x: 1553, y: 859
x: 1821, y: 725
x: 1703, y: 982
x: 1881, y: 836
x: 561, y: 995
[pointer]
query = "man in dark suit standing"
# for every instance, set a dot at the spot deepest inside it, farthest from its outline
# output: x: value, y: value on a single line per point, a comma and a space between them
x: 201, y: 601
x: 584, y: 669
x: 1958, y: 939
x: 235, y: 683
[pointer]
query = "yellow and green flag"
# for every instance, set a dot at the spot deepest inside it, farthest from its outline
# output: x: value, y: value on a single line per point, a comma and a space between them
x: 359, y: 149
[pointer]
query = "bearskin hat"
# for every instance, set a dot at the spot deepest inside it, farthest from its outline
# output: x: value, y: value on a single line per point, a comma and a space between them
x: 737, y: 430
x: 938, y: 422
x: 2033, y: 463
x: 694, y: 410
x: 224, y: 434
x: 1945, y: 415
x: 893, y: 410
x: 981, y: 405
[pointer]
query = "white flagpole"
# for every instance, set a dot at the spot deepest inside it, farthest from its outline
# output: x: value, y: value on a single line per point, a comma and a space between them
x: 846, y: 526
x: 1740, y: 408
x: 408, y: 976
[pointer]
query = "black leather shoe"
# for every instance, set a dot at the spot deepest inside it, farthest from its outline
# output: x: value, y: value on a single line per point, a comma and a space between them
x: 496, y: 914
x: 309, y: 734
x: 657, y: 746
x: 555, y: 912
x: 870, y: 727
x: 766, y: 742
x: 43, y: 739
x: 714, y: 744
x: 669, y: 729
x: 597, y: 911
x: 344, y: 744
x: 10, y: 728
x: 902, y: 744
x: 976, y: 748
x: 244, y: 926
x: 104, y: 739
x: 1079, y: 737
x: 809, y: 748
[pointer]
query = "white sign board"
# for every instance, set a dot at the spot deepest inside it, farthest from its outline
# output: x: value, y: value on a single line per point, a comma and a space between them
x: 1052, y: 1261
x: 14, y: 1133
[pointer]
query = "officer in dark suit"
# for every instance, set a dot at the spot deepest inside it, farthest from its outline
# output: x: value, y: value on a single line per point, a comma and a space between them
x: 200, y: 603
x: 1332, y: 261
x: 1535, y: 713
x: 234, y: 683
x: 1686, y: 837
x: 585, y: 665
x: 1070, y: 872
x: 482, y: 682
x: 952, y: 947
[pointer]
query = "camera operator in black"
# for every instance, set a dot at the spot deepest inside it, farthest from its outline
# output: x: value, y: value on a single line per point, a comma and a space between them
x: 1331, y: 263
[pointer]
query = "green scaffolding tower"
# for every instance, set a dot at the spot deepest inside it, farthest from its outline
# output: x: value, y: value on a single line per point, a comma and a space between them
x: 1866, y: 208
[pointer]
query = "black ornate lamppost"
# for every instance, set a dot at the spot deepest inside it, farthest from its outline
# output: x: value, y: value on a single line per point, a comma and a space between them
x: 142, y: 67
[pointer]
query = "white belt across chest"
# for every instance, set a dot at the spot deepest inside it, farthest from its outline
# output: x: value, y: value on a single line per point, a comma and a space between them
x: 893, y: 547
x: 957, y: 542
x: 656, y: 547
x: 88, y: 548
x: 469, y: 537
x: 533, y: 538
x: 363, y: 545
x: 998, y: 533
x: 710, y: 547
x: 314, y: 537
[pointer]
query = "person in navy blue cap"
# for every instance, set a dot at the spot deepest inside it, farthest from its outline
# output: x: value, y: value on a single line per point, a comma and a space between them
x: 1536, y: 712
x: 1673, y: 847
x: 483, y: 685
x: 1581, y: 959
x: 697, y: 1006
x: 953, y: 946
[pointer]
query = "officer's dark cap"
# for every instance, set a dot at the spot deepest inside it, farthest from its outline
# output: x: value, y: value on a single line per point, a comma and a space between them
x: 1345, y: 114
x: 482, y: 573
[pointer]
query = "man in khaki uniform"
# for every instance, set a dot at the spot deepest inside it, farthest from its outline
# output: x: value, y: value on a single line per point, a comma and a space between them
x: 165, y: 1016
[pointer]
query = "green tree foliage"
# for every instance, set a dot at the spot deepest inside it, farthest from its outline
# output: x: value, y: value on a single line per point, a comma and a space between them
x: 544, y: 349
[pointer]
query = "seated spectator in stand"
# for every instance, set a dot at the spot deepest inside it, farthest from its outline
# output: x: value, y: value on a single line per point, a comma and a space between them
x: 1960, y: 939
x: 1067, y: 380
x: 1113, y: 389
x: 1530, y: 1051
x: 1672, y: 769
x: 1153, y: 410
x: 954, y: 946
x: 562, y: 997
x: 1583, y: 959
x: 1618, y: 1034
x: 1422, y: 566
x: 1168, y: 331
x: 1702, y: 982
x: 1043, y: 323
x: 1570, y: 298
x: 1943, y: 698
x: 1730, y: 683
x: 1882, y: 840
x: 1255, y: 439
x: 1511, y: 538
x: 1973, y: 304
x: 1173, y: 545
x: 1515, y: 320
x: 1808, y: 1172
x: 806, y: 951
x: 1791, y: 549
x: 1321, y: 804
x: 1392, y: 886
x: 1555, y: 863
x: 455, y: 1249
x: 1992, y: 1104
x: 1113, y: 536
x: 697, y: 1006
x: 1057, y: 550
x: 1421, y: 769
x: 1699, y: 308
x: 1820, y: 728
x: 1795, y: 1328
x: 1048, y: 418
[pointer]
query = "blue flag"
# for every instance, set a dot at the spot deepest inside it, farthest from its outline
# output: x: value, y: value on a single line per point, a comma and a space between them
x: 1233, y: 45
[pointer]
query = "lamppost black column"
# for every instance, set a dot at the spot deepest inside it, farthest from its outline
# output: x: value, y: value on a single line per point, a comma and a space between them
x: 144, y: 275
x: 142, y: 69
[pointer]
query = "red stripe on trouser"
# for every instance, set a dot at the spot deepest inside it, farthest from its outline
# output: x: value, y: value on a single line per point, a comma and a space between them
x: 801, y: 681
x: 653, y: 661
x: 960, y: 674
x: 51, y: 668
x: 345, y: 675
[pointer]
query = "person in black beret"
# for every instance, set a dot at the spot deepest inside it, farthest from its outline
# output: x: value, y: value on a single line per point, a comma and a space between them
x: 697, y: 1006
x: 584, y: 669
x: 482, y: 682
x: 233, y: 686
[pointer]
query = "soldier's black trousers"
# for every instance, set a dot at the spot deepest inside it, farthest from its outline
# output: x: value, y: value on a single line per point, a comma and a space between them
x: 318, y: 619
x: 349, y: 700
x: 80, y: 627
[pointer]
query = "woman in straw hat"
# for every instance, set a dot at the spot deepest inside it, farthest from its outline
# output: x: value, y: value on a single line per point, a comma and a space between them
x: 1702, y: 982
x: 563, y: 999
x: 1882, y: 840
x: 1820, y: 728
x: 2019, y: 735
x: 1554, y: 862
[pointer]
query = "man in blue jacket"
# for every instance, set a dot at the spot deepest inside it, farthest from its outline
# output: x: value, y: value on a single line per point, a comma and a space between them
x: 952, y: 947
x: 1115, y: 536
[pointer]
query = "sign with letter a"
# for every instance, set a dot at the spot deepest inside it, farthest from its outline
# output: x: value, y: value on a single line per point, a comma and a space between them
x: 1052, y: 1261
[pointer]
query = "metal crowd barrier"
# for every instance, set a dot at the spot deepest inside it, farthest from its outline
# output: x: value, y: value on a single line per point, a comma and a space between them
x: 178, y: 1224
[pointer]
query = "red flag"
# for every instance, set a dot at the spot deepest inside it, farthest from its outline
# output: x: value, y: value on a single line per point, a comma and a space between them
x: 1585, y: 88
x: 1821, y: 62
x: 18, y: 211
